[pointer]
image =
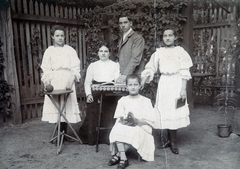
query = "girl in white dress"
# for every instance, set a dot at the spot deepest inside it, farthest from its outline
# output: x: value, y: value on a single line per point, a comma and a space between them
x: 137, y: 133
x: 173, y: 63
x: 61, y: 68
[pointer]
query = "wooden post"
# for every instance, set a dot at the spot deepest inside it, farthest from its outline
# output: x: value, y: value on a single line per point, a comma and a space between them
x: 10, y: 73
x: 188, y: 43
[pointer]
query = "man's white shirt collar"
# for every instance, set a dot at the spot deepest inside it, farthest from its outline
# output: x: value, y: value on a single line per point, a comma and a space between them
x: 125, y: 34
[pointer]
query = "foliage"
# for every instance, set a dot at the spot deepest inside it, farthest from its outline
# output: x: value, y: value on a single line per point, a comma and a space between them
x: 149, y: 19
x: 5, y: 88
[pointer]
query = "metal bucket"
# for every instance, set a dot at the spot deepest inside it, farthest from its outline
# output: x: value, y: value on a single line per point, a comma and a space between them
x: 224, y: 130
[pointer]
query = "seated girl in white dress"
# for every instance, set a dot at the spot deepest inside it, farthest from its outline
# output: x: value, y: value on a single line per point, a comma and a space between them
x: 134, y: 117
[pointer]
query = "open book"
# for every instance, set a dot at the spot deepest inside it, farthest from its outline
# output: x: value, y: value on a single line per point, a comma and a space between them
x: 112, y: 83
x: 180, y: 102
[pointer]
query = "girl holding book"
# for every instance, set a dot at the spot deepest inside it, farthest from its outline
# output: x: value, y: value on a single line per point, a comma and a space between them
x: 173, y: 62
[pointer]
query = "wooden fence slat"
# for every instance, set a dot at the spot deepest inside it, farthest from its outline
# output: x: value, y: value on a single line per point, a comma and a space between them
x: 36, y: 8
x: 19, y: 7
x: 74, y: 13
x: 23, y: 59
x: 84, y: 46
x: 70, y: 12
x: 47, y: 13
x: 13, y: 5
x: 80, y: 52
x: 48, y: 27
x: 52, y: 14
x: 57, y: 14
x: 25, y: 9
x: 61, y: 12
x: 66, y: 13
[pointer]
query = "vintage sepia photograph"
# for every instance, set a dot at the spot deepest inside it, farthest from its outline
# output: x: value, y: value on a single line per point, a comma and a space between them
x: 115, y: 84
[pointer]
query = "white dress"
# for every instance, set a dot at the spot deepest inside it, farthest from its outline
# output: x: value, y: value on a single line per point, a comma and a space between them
x: 58, y: 65
x: 101, y: 71
x: 140, y: 137
x: 174, y: 64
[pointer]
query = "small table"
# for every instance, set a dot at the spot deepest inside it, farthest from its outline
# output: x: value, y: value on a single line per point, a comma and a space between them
x: 107, y: 90
x: 60, y: 108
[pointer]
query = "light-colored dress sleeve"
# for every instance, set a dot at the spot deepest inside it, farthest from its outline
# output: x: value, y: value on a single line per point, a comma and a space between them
x: 120, y: 110
x: 151, y: 67
x: 88, y: 80
x: 117, y: 71
x: 46, y: 66
x: 185, y: 64
x: 75, y: 64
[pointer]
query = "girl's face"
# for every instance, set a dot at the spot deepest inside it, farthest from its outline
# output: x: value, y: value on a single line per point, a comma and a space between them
x: 169, y: 37
x: 103, y: 53
x: 58, y: 38
x: 133, y: 86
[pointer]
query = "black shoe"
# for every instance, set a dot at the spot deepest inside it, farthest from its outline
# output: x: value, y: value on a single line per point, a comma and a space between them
x: 115, y: 160
x: 174, y: 149
x: 122, y: 164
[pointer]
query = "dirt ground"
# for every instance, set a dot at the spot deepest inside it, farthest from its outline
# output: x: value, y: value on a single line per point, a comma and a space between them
x: 27, y: 146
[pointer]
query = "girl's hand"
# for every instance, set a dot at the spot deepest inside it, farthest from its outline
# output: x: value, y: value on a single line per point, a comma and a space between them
x: 121, y: 79
x: 183, y: 94
x: 143, y: 81
x: 90, y: 98
x: 70, y: 83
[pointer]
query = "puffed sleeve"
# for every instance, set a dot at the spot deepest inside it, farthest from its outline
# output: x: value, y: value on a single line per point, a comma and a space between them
x: 46, y: 66
x: 151, y: 67
x: 120, y: 110
x: 185, y: 64
x: 75, y: 64
x: 88, y: 80
x: 117, y: 71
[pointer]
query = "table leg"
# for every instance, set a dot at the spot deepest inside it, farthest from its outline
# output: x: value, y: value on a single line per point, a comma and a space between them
x: 99, y: 121
x: 59, y: 120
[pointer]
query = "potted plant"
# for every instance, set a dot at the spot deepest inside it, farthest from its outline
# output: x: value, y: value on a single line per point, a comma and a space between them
x: 229, y: 100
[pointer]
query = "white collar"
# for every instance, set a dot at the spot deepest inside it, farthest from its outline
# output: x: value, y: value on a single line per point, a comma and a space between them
x: 125, y: 34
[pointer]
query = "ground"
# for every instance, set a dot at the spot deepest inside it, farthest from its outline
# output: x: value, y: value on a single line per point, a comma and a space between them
x: 27, y: 146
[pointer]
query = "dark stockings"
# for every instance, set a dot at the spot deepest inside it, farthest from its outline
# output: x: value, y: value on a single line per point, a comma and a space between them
x: 173, y: 141
x: 164, y: 139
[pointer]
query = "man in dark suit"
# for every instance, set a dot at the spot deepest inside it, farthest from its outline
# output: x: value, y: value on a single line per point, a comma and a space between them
x: 131, y: 48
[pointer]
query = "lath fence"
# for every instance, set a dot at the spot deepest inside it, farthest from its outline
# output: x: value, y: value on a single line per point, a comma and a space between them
x: 213, y: 34
x: 32, y: 22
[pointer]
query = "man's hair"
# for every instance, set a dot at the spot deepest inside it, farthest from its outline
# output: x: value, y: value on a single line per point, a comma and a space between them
x: 133, y: 76
x: 57, y: 27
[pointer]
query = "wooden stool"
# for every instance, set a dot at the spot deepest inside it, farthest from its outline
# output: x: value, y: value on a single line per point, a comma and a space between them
x: 60, y: 108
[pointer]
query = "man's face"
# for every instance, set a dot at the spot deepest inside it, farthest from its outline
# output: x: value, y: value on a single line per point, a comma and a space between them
x: 124, y: 24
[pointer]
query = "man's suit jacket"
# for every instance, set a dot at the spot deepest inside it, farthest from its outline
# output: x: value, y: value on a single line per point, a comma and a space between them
x: 130, y: 54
